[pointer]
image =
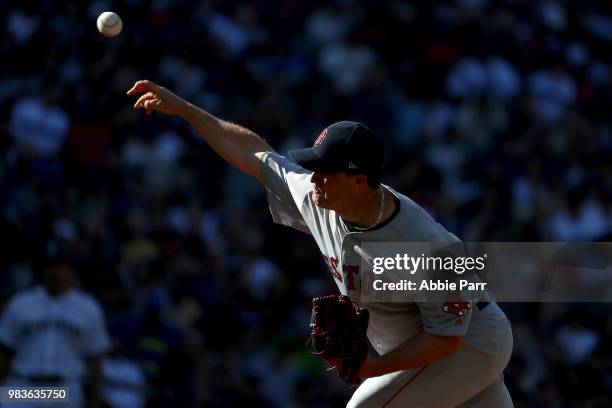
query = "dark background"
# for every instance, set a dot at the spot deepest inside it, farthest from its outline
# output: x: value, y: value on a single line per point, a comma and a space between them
x: 496, y: 116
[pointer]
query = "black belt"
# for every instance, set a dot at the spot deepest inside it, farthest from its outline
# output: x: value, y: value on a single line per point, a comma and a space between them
x: 482, y: 305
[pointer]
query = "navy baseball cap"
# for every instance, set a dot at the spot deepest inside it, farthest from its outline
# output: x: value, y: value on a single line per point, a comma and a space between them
x: 344, y: 146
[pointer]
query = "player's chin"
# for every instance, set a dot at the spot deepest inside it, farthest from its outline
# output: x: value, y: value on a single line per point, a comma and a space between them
x: 319, y: 199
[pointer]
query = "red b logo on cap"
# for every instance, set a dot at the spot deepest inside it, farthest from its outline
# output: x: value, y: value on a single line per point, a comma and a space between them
x: 321, y: 137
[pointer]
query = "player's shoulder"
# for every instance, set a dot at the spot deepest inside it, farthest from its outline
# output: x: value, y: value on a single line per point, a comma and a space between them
x: 408, y: 205
x: 28, y: 295
x: 423, y: 226
x: 271, y: 156
x: 84, y: 300
x: 286, y: 163
x: 280, y: 171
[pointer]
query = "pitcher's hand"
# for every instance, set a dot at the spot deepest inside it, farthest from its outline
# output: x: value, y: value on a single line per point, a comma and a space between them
x: 156, y: 98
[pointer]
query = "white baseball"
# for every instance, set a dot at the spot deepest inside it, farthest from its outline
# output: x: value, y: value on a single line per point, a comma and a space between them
x: 109, y: 24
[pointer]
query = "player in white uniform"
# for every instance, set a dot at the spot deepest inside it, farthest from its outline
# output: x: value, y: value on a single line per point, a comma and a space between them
x: 54, y: 335
x: 428, y: 355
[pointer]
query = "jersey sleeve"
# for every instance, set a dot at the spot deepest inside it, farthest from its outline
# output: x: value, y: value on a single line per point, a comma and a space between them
x: 8, y: 329
x: 97, y: 341
x: 287, y: 185
x: 450, y: 318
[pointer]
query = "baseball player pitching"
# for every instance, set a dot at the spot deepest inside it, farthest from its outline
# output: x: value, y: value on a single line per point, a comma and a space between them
x: 424, y: 354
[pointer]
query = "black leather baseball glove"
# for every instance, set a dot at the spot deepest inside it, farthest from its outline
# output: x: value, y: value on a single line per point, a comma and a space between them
x: 339, y: 334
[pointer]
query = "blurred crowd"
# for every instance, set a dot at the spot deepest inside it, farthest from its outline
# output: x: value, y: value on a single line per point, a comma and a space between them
x: 495, y: 115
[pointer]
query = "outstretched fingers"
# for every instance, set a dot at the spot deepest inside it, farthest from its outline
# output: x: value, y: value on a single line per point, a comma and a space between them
x: 151, y: 104
x: 140, y: 103
x: 142, y: 86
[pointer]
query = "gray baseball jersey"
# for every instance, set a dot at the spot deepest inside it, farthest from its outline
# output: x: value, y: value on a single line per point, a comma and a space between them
x: 289, y: 195
x: 51, y: 336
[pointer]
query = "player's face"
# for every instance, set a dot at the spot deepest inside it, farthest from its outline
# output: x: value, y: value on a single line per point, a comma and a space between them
x: 58, y: 278
x: 332, y: 190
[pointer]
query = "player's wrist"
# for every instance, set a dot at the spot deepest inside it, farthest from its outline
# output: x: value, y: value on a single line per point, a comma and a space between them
x: 188, y: 111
